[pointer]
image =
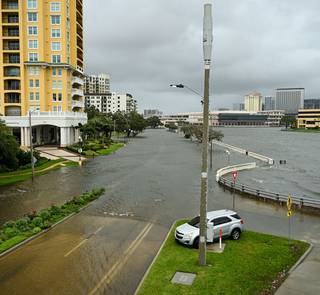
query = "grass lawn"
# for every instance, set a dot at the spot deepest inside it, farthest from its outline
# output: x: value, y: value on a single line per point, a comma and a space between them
x: 248, y: 266
x: 21, y: 175
x: 104, y: 152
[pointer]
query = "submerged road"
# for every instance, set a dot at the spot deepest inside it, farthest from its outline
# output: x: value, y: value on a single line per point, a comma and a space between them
x: 107, y: 247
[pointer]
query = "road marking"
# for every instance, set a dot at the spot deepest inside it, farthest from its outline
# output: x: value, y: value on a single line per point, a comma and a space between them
x: 76, y: 247
x: 118, y: 265
x: 84, y: 241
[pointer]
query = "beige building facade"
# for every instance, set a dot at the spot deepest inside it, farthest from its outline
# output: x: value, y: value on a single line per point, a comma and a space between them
x: 253, y: 102
x: 308, y: 118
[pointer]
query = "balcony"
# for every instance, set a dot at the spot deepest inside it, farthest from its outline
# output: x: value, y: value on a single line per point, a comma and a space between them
x: 12, y: 72
x: 11, y: 32
x: 12, y: 85
x: 12, y: 98
x: 77, y: 92
x: 77, y: 80
x: 10, y: 5
x: 10, y: 19
x: 77, y: 104
x: 13, y: 45
x: 11, y: 58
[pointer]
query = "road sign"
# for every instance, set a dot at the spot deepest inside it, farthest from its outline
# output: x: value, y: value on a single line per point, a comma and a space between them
x: 289, y: 213
x: 289, y: 203
x: 80, y: 150
x: 234, y: 175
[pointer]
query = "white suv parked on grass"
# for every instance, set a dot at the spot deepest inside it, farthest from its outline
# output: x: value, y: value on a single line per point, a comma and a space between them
x: 228, y: 221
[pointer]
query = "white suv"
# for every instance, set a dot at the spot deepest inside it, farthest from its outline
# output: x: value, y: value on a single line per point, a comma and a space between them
x: 228, y: 221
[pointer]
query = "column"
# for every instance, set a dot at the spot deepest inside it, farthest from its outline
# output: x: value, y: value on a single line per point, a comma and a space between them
x: 63, y: 137
x: 38, y: 134
x: 23, y: 143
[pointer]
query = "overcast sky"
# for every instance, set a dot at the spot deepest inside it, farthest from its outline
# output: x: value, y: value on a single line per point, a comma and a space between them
x: 146, y: 45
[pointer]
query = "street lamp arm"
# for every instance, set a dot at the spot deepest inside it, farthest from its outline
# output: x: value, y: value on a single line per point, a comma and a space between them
x: 187, y: 87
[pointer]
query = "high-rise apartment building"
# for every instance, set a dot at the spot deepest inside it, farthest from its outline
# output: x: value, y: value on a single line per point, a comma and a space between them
x: 269, y: 103
x: 112, y: 102
x: 41, y: 68
x: 152, y: 113
x: 97, y: 84
x: 253, y: 102
x: 290, y: 99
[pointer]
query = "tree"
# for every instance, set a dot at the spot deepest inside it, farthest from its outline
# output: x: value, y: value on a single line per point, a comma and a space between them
x: 215, y: 135
x: 171, y: 126
x: 153, y: 122
x: 288, y: 120
x: 136, y: 123
x: 92, y: 112
x: 9, y: 149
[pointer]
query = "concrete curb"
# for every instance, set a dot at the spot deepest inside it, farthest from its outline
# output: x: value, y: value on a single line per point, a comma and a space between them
x: 16, y: 247
x: 302, y: 258
x: 154, y: 259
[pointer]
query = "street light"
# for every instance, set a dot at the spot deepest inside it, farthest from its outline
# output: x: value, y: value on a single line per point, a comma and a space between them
x: 187, y: 87
x: 207, y: 52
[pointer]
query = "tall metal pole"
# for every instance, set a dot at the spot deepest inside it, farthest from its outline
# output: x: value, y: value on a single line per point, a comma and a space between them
x: 31, y: 145
x: 207, y: 50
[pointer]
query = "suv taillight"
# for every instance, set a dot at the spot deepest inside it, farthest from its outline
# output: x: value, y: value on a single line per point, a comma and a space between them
x: 241, y: 221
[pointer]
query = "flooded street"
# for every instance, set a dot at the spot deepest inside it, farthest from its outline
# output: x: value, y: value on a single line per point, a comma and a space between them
x: 107, y: 248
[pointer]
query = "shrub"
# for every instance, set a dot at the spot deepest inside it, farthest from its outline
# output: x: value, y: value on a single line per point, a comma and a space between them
x: 46, y: 224
x: 23, y: 224
x: 37, y: 222
x: 55, y: 210
x: 11, y: 232
x: 9, y: 224
x: 36, y: 230
x: 45, y: 214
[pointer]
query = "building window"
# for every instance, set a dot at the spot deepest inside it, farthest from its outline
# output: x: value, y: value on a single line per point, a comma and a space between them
x: 56, y: 46
x: 37, y: 83
x: 55, y: 33
x: 33, y: 56
x: 55, y: 19
x: 33, y: 31
x: 32, y: 16
x: 56, y: 59
x: 37, y: 96
x: 34, y: 71
x: 31, y: 84
x: 31, y: 96
x: 57, y: 72
x: 33, y: 44
x: 55, y: 7
x: 57, y: 108
x: 59, y: 84
x: 57, y: 97
x: 32, y: 4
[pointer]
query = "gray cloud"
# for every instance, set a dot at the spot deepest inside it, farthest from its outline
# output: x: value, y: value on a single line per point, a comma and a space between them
x: 148, y: 44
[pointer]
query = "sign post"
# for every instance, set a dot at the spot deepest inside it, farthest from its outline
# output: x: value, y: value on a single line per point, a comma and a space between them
x: 289, y: 214
x: 234, y: 178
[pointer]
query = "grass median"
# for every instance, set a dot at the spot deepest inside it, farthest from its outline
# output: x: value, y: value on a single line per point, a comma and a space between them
x: 14, y: 232
x: 255, y: 264
x: 22, y: 175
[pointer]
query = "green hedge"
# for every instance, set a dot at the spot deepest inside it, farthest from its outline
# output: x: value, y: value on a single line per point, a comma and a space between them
x: 14, y: 232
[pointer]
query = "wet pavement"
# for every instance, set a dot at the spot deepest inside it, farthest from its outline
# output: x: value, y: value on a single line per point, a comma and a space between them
x: 107, y: 248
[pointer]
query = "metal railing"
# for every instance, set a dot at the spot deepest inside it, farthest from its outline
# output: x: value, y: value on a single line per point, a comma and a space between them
x: 300, y: 202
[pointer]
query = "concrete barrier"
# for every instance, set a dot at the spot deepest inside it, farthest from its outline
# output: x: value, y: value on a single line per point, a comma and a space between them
x: 262, y: 158
x: 226, y: 170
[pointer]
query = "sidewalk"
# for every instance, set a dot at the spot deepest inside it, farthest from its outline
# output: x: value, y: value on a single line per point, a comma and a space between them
x: 55, y: 153
x: 305, y: 279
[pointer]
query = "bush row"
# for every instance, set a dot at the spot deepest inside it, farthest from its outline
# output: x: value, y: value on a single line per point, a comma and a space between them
x: 35, y: 222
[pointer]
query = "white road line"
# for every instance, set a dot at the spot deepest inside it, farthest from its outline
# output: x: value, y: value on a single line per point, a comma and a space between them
x: 76, y: 247
x: 120, y: 263
x: 98, y: 230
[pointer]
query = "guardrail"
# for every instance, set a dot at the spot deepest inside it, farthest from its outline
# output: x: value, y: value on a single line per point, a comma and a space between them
x: 299, y: 202
x: 262, y: 158
x: 225, y: 170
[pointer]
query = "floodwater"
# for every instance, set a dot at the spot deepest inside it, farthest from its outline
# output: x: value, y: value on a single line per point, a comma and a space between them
x: 300, y: 176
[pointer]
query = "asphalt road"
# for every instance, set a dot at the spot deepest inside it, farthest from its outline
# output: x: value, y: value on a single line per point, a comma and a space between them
x: 107, y: 248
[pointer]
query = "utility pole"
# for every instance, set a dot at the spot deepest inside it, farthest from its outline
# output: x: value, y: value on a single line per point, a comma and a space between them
x: 31, y: 144
x: 207, y: 51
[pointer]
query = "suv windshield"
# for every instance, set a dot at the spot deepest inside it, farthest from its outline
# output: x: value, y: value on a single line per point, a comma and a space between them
x: 195, y: 221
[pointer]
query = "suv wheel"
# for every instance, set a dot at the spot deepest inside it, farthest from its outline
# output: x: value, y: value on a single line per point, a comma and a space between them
x: 196, y: 243
x: 235, y: 235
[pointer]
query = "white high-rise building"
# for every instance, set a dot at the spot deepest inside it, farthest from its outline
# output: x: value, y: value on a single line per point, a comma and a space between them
x: 97, y: 84
x: 253, y: 102
x: 290, y: 99
x: 111, y: 102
